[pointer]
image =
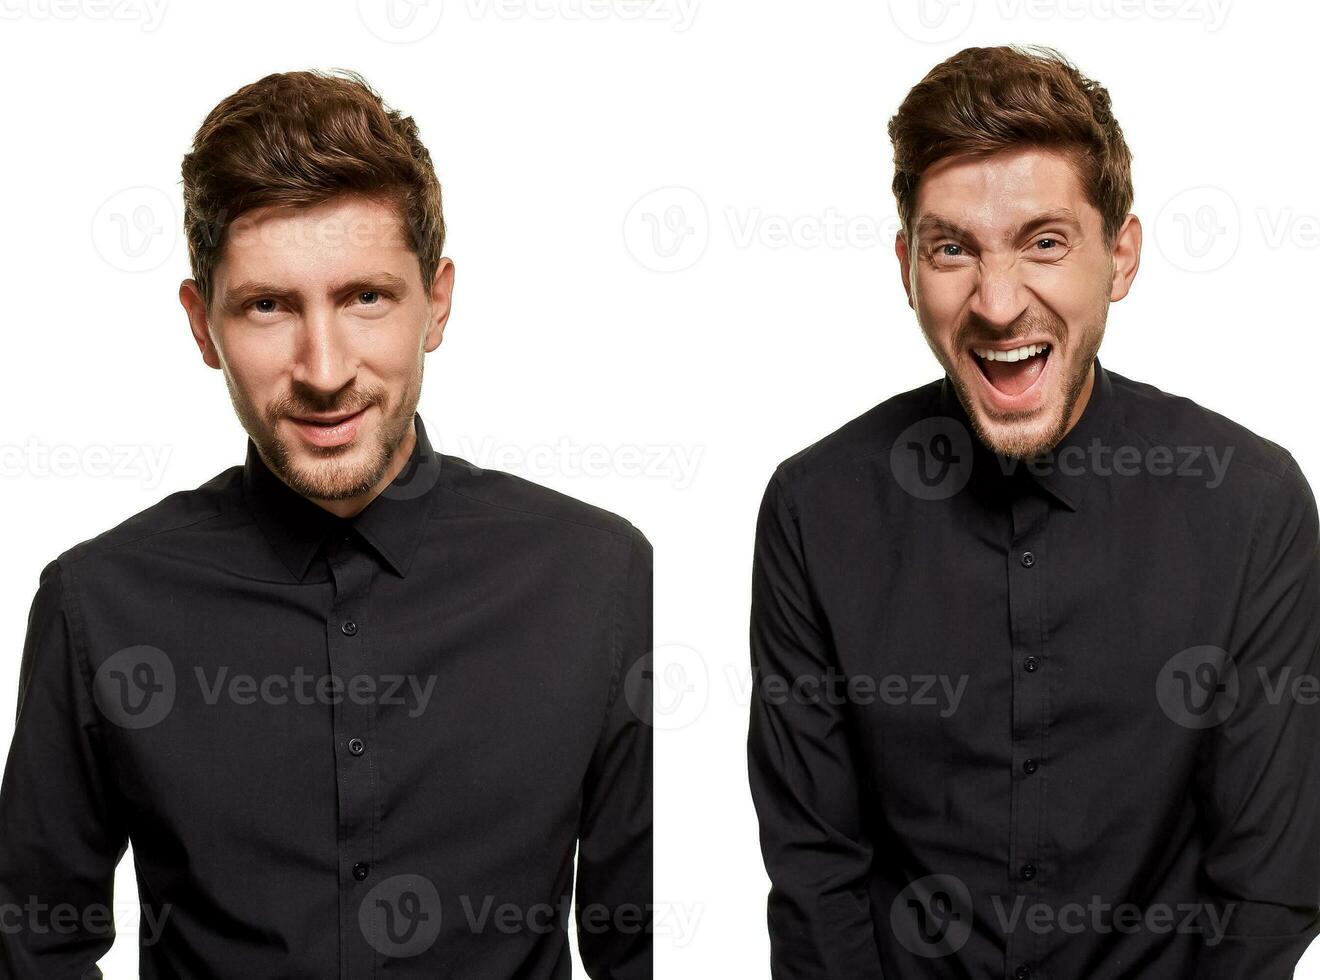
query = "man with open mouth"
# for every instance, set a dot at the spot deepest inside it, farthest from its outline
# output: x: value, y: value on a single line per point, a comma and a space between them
x: 1029, y: 679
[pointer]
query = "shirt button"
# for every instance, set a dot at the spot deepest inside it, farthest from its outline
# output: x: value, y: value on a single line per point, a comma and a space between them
x: 348, y: 628
x: 1028, y: 872
x: 357, y: 746
x: 1028, y: 767
x: 360, y: 871
x: 1022, y: 973
x: 1028, y: 559
x: 1030, y: 665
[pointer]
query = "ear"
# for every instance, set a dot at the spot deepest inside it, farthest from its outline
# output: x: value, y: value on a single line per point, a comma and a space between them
x: 904, y: 264
x: 191, y: 298
x: 442, y: 298
x: 1126, y: 257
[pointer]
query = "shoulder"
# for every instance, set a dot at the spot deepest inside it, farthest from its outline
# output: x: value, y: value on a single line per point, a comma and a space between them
x: 513, y: 502
x: 850, y: 450
x: 174, y: 514
x: 1153, y: 418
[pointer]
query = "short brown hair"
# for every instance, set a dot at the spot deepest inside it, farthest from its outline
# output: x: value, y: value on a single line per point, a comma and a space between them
x: 983, y: 100
x: 297, y: 139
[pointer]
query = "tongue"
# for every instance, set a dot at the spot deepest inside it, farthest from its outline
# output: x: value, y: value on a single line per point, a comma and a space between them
x: 1014, y: 377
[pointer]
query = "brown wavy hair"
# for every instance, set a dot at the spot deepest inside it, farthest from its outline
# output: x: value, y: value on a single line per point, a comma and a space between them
x: 983, y: 100
x: 297, y: 139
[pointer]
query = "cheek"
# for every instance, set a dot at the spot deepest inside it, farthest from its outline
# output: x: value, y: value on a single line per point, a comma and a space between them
x: 251, y: 358
x: 939, y: 299
x: 1072, y: 288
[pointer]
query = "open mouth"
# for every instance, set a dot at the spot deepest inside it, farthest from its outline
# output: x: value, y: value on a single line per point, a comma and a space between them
x: 1014, y: 371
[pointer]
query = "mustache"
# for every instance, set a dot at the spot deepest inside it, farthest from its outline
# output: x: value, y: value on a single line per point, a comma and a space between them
x: 975, y: 332
x: 299, y: 408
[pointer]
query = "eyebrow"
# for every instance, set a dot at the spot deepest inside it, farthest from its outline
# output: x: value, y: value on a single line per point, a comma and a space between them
x: 937, y: 223
x: 245, y: 292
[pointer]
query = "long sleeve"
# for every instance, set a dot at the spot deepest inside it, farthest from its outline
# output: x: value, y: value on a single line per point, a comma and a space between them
x: 1260, y: 783
x: 614, y: 903
x: 62, y: 838
x: 802, y: 774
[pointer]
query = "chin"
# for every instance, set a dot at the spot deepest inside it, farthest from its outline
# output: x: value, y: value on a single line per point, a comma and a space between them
x: 1019, y: 440
x: 1033, y: 425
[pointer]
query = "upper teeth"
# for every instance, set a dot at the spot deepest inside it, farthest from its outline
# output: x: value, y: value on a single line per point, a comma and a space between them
x: 1016, y: 354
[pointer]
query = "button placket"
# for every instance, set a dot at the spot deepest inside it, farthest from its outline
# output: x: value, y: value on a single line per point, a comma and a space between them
x: 1023, y: 556
x: 354, y: 720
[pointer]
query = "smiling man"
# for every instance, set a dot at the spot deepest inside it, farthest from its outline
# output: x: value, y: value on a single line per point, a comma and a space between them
x: 1121, y: 587
x: 354, y: 703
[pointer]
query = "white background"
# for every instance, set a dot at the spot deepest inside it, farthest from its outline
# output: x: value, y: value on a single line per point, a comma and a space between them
x: 673, y: 233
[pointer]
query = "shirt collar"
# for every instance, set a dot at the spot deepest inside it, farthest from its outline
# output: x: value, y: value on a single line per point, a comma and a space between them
x: 1064, y: 471
x: 391, y: 523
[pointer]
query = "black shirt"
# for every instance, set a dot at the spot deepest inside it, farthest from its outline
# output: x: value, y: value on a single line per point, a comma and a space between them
x: 340, y: 748
x: 1055, y: 721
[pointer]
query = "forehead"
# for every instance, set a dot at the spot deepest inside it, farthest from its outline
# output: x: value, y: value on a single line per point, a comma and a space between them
x: 1001, y: 190
x: 324, y: 241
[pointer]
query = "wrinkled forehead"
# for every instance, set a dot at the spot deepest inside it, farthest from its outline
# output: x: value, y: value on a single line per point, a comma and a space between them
x: 989, y: 196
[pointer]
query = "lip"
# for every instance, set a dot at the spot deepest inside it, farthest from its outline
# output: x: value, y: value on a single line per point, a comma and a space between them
x: 344, y: 429
x: 1026, y: 401
x: 1011, y: 344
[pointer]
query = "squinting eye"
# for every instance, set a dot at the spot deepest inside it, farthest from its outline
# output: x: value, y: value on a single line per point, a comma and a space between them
x: 1046, y: 241
x: 950, y: 245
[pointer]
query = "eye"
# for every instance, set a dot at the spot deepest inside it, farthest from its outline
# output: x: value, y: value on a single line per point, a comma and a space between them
x: 368, y: 297
x: 957, y: 250
x: 260, y: 305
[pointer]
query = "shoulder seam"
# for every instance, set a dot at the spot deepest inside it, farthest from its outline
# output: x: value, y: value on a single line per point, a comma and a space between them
x: 619, y: 532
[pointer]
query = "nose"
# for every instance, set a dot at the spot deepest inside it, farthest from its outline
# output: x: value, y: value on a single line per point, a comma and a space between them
x: 999, y: 298
x: 325, y: 361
